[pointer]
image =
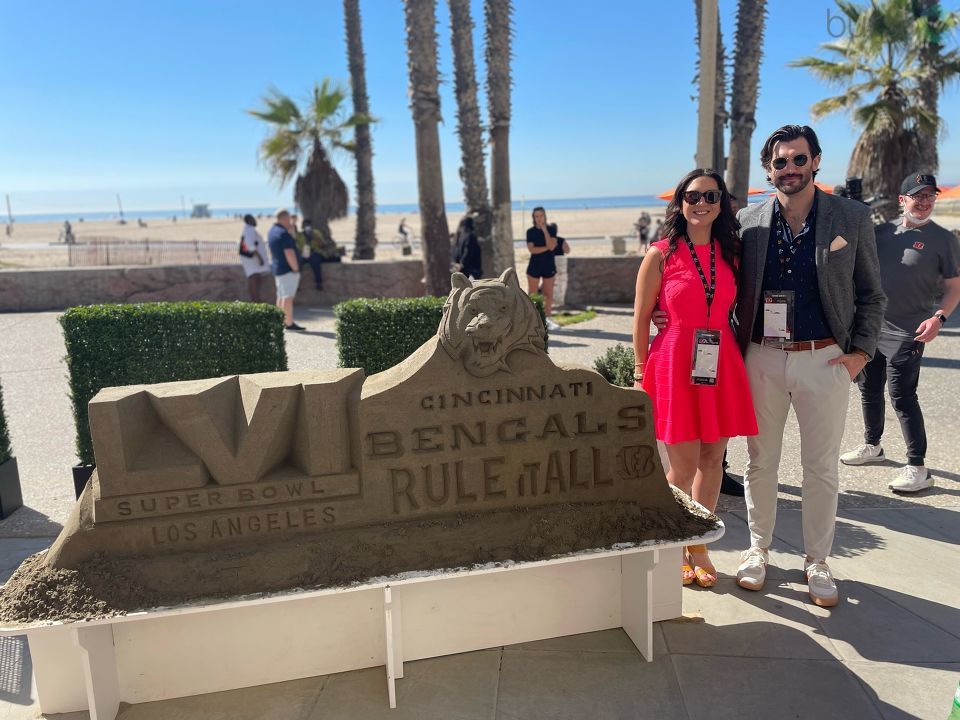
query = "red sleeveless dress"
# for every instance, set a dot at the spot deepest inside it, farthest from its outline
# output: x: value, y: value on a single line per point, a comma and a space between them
x: 683, y: 411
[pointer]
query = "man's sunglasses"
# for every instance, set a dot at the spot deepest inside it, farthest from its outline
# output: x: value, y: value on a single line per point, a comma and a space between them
x: 693, y: 196
x: 798, y: 160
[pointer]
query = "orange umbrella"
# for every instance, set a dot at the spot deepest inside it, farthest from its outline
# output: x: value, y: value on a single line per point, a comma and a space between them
x: 826, y: 188
x: 668, y: 195
x: 951, y: 194
x: 756, y: 191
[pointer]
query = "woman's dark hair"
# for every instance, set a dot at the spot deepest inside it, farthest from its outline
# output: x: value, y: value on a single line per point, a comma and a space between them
x: 466, y: 225
x: 725, y: 228
x: 250, y: 220
x: 533, y: 214
x: 786, y: 134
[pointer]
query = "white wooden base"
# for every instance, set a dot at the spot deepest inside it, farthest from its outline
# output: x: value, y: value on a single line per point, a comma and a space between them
x: 197, y: 649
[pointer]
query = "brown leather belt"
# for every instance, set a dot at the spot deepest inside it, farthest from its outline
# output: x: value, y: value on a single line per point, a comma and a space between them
x: 796, y: 346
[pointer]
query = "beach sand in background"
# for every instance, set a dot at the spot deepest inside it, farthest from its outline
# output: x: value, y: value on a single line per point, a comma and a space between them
x: 36, y: 244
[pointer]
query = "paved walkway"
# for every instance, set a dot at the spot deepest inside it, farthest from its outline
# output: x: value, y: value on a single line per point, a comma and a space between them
x: 890, y: 650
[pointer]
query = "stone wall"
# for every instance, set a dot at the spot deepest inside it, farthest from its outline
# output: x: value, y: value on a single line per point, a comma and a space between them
x: 581, y: 281
x: 60, y: 288
x: 596, y: 280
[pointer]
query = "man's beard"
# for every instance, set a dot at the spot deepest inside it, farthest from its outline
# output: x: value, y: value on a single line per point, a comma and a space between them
x: 796, y: 187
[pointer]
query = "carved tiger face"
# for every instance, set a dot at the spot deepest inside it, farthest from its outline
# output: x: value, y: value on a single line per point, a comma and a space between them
x: 484, y: 321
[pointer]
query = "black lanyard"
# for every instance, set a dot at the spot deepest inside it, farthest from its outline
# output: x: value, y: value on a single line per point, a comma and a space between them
x: 711, y: 288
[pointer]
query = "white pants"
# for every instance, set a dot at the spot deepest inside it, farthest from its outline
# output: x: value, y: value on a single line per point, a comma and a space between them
x: 819, y: 394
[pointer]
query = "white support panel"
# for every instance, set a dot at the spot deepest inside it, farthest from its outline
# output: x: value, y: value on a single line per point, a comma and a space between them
x: 467, y: 613
x: 636, y: 599
x: 390, y: 635
x: 99, y: 662
x: 57, y: 670
x: 260, y: 643
x: 667, y: 587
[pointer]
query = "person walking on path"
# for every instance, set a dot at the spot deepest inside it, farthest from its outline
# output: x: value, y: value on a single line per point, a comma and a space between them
x: 285, y: 266
x: 809, y: 310
x: 915, y: 254
x: 542, y: 267
x: 693, y: 371
x: 253, y: 257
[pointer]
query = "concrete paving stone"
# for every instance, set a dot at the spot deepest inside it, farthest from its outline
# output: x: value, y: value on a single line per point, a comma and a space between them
x: 737, y: 622
x: 293, y: 700
x: 599, y: 686
x: 731, y: 688
x: 454, y: 687
x: 868, y: 626
x: 603, y: 641
x: 905, y: 691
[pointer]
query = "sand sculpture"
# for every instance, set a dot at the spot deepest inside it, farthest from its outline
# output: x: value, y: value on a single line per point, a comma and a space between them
x: 476, y: 447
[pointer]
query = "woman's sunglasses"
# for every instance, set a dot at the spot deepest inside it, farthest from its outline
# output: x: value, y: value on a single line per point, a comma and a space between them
x: 798, y: 160
x: 693, y: 196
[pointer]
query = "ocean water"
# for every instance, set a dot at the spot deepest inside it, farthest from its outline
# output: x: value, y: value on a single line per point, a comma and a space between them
x: 591, y: 203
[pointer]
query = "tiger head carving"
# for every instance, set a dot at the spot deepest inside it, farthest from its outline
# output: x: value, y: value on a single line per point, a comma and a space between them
x: 484, y: 321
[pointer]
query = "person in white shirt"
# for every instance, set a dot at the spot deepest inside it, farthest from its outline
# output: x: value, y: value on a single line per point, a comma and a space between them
x: 253, y: 258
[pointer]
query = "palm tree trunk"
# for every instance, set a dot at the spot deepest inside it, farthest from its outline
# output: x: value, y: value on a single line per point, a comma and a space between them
x: 425, y: 104
x: 929, y: 88
x: 366, y: 237
x: 751, y: 15
x: 473, y: 171
x: 497, y: 14
x: 720, y: 104
x: 320, y: 193
x: 883, y: 157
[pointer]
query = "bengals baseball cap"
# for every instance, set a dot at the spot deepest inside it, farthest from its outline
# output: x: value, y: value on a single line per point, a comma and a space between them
x: 916, y: 181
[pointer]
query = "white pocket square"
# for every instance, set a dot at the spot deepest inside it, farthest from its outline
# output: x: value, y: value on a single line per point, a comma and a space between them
x: 838, y: 244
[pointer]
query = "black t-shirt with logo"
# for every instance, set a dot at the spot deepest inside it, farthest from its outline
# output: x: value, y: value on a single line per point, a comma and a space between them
x: 912, y: 261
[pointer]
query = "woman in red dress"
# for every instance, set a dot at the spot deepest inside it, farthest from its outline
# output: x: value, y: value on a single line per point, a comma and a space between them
x: 693, y: 371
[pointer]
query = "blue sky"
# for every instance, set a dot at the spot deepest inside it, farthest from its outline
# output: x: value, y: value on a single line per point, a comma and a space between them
x: 147, y: 99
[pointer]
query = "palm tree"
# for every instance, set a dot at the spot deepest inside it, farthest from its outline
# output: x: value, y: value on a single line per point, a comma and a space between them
x: 421, y: 24
x: 930, y: 26
x: 366, y: 237
x: 748, y: 47
x: 497, y: 15
x: 299, y: 144
x: 720, y: 91
x: 878, y: 66
x: 473, y: 172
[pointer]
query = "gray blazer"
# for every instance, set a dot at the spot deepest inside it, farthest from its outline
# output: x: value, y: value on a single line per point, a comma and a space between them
x: 848, y: 278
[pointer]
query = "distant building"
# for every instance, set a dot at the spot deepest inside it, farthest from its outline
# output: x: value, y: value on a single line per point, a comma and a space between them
x: 200, y: 210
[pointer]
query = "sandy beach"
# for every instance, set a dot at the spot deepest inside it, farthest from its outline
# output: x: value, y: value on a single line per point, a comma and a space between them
x: 36, y: 244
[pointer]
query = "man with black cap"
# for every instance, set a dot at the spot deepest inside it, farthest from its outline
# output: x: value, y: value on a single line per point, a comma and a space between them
x: 915, y: 255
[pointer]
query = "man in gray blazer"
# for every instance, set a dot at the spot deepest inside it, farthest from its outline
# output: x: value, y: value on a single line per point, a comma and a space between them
x: 810, y: 305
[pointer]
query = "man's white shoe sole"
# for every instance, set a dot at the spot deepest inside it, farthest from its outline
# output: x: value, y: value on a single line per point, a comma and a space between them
x: 865, y: 461
x: 928, y: 483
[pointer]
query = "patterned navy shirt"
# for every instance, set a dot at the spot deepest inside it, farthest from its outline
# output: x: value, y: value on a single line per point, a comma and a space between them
x: 792, y: 265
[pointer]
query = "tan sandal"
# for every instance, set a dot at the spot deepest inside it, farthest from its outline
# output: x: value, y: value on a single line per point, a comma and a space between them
x: 705, y: 574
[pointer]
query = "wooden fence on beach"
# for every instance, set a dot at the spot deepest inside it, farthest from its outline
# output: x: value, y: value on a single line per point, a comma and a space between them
x: 106, y: 251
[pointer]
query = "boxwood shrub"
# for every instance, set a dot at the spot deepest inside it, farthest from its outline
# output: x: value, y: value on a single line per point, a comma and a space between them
x: 115, y: 345
x: 616, y: 365
x: 5, y: 452
x: 376, y: 334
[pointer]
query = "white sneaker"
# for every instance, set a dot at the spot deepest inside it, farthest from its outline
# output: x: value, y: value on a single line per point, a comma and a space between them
x: 820, y: 583
x: 912, y: 478
x: 552, y: 324
x: 864, y: 454
x: 752, y: 571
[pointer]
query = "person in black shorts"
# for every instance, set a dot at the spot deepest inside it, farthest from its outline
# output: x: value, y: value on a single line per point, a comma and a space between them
x: 542, y: 268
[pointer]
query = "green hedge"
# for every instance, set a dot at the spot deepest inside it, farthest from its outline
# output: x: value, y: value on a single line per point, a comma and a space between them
x: 5, y: 452
x: 616, y: 365
x: 376, y: 334
x: 114, y: 345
